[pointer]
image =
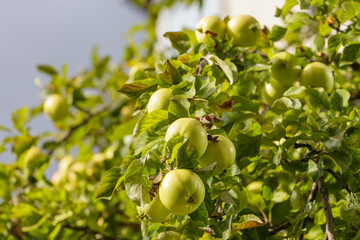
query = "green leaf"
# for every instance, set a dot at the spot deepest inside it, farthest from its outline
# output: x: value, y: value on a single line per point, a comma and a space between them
x: 277, y: 33
x: 339, y: 99
x: 318, y: 98
x: 341, y: 158
x: 348, y: 11
x: 179, y: 40
x: 150, y: 120
x: 278, y: 156
x: 284, y: 104
x: 205, y: 86
x: 19, y: 118
x: 247, y: 146
x: 187, y: 156
x: 334, y: 43
x: 259, y: 67
x: 47, y: 69
x: 324, y: 29
x: 146, y: 140
x: 245, y: 104
x: 228, y: 67
x: 136, y: 88
x: 295, y: 91
x: 278, y: 132
x: 350, y: 54
x: 289, y: 4
x: 295, y: 199
x: 3, y: 128
x: 120, y: 131
x: 178, y: 108
x: 305, y: 4
x: 136, y: 181
x: 248, y: 221
x: 201, y: 214
x: 319, y: 42
x: 109, y: 183
x: 170, y: 76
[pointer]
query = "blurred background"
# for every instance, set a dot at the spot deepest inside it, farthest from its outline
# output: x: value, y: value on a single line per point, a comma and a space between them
x: 57, y: 32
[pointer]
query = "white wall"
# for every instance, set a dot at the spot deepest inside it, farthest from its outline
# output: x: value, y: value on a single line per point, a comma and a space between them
x: 180, y: 16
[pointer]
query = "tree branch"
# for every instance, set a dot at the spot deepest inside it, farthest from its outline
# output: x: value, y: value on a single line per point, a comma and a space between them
x: 311, y: 198
x: 84, y: 121
x: 200, y: 66
x: 329, y: 233
x: 87, y: 230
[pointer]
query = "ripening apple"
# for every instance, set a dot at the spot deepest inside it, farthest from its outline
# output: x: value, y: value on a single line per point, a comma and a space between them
x: 244, y: 29
x: 220, y: 149
x: 160, y: 100
x: 192, y: 129
x: 137, y: 72
x: 181, y: 191
x: 317, y: 74
x: 34, y: 157
x: 272, y: 91
x: 156, y: 211
x: 285, y: 68
x: 56, y: 107
x: 212, y: 25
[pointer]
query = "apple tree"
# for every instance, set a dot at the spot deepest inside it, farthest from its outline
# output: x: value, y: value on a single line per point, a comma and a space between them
x: 245, y: 133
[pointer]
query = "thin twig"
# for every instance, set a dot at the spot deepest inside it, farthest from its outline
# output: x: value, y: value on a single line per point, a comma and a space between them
x: 329, y: 233
x: 311, y: 198
x: 278, y: 228
x: 264, y: 216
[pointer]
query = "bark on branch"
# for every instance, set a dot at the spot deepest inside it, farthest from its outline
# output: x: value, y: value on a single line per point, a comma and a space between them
x: 311, y: 198
x: 329, y: 233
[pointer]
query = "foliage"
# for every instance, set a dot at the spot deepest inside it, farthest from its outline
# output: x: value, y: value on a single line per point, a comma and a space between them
x: 297, y: 161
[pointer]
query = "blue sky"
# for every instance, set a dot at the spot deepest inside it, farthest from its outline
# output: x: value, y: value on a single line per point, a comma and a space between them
x: 53, y: 32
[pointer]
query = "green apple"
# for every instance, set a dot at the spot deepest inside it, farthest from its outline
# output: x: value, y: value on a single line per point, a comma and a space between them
x: 160, y: 100
x: 220, y: 150
x: 156, y: 211
x: 62, y: 173
x: 271, y: 91
x: 137, y: 72
x: 34, y: 157
x: 181, y: 191
x: 253, y: 192
x: 210, y: 25
x: 56, y: 107
x: 255, y: 187
x: 285, y: 68
x: 169, y: 235
x: 244, y: 29
x: 190, y: 128
x: 317, y: 74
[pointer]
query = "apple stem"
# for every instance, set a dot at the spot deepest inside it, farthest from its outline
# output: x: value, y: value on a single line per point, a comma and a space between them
x: 191, y: 200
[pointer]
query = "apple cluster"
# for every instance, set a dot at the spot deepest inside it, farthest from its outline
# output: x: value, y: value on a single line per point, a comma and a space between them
x: 286, y: 70
x: 182, y: 191
x: 243, y: 29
